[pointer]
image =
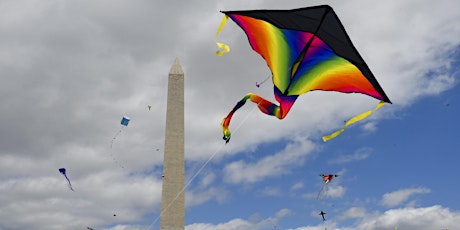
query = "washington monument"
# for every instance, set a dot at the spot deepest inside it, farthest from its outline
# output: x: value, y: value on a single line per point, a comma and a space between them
x: 172, y: 198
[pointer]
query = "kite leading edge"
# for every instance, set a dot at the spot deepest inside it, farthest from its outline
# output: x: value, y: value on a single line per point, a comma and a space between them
x: 312, y: 52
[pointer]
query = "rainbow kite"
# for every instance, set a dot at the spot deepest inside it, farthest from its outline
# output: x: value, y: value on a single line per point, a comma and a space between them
x: 306, y: 49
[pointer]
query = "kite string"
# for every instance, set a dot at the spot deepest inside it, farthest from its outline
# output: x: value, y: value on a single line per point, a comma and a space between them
x: 111, y: 147
x: 200, y: 169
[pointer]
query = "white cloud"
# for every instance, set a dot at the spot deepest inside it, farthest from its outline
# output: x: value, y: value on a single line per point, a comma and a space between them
x: 272, y: 165
x: 433, y: 217
x: 235, y: 224
x: 359, y: 154
x: 353, y: 213
x: 335, y: 191
x: 400, y: 196
x: 271, y: 191
x: 253, y: 223
x: 297, y: 186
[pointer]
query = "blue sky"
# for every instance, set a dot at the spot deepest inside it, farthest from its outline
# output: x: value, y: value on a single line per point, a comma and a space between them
x: 70, y: 70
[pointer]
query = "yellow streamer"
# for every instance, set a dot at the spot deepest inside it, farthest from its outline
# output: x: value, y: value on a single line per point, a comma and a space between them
x: 353, y: 120
x: 223, y: 48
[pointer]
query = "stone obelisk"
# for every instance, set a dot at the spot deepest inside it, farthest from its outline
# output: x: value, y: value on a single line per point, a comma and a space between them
x: 172, y: 199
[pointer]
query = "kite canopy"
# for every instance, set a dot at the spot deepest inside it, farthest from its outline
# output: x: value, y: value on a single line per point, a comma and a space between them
x: 125, y: 121
x: 306, y: 49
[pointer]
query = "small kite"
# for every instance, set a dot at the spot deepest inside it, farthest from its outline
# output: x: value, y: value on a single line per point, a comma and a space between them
x: 322, y: 214
x: 63, y: 172
x: 306, y: 49
x: 258, y: 84
x: 326, y: 178
x: 124, y: 122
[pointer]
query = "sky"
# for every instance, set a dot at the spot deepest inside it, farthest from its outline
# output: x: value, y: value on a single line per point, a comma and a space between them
x: 70, y: 70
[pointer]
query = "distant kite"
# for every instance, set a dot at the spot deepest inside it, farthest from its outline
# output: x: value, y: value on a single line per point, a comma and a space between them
x: 306, y: 49
x: 124, y: 122
x: 258, y: 84
x: 326, y: 178
x: 63, y: 172
x: 322, y: 214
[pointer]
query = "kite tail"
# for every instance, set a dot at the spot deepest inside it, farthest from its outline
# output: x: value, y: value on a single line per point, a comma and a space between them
x: 115, y: 137
x: 70, y: 185
x: 353, y: 120
x: 111, y: 147
x: 223, y: 48
x: 264, y: 106
x: 226, y: 121
x: 321, y: 191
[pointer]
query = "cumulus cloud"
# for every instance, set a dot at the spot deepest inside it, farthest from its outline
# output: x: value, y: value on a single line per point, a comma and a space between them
x: 242, y: 224
x: 297, y: 186
x: 353, y: 213
x: 400, y: 196
x: 272, y: 165
x: 358, y: 155
x: 433, y: 217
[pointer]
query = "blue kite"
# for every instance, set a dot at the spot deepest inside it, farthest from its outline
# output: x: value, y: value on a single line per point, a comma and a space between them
x: 62, y: 171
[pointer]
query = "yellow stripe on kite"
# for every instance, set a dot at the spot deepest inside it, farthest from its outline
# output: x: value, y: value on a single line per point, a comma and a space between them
x: 223, y: 48
x: 353, y: 120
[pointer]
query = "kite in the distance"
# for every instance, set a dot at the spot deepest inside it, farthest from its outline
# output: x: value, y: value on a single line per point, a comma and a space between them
x: 63, y: 172
x: 306, y: 49
x: 124, y: 123
x: 258, y: 84
x: 326, y: 178
x: 322, y: 214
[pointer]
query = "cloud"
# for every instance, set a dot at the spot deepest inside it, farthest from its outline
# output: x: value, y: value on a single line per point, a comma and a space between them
x: 358, y: 155
x: 400, y: 196
x: 433, y: 217
x: 297, y: 186
x: 335, y: 191
x: 235, y: 224
x: 271, y: 191
x: 353, y: 213
x: 242, y: 224
x: 269, y: 166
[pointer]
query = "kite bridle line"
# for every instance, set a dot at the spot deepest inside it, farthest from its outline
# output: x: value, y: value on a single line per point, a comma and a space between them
x: 200, y: 169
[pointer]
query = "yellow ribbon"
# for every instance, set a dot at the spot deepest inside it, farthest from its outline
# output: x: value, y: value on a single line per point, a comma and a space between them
x: 223, y: 48
x: 353, y: 120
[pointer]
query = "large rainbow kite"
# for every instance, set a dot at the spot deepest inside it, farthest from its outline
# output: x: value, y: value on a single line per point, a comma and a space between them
x: 306, y: 49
